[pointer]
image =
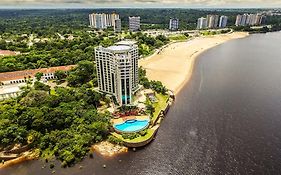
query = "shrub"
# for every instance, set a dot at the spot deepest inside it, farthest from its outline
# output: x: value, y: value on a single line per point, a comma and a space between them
x: 143, y: 132
x: 114, y: 140
x: 130, y: 136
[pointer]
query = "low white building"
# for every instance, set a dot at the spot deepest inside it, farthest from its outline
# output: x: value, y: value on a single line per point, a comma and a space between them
x: 10, y: 82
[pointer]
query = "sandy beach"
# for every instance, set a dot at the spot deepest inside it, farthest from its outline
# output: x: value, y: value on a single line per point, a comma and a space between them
x: 173, y: 66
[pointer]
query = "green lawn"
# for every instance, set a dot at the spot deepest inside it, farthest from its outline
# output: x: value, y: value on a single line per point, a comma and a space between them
x: 52, y: 92
x: 161, y: 104
x: 209, y: 33
x: 148, y: 135
x: 178, y: 37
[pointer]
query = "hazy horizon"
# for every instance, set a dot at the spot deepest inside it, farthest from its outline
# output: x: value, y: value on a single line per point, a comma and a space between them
x: 89, y: 4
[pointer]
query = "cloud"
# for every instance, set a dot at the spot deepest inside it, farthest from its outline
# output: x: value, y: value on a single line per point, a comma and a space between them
x: 162, y: 3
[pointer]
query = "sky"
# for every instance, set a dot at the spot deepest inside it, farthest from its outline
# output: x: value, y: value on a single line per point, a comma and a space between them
x: 140, y: 3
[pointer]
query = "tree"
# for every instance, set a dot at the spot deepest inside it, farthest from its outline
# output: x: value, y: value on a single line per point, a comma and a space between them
x: 41, y: 86
x: 81, y: 74
x: 150, y: 109
x: 38, y: 76
x: 60, y: 75
x: 158, y: 87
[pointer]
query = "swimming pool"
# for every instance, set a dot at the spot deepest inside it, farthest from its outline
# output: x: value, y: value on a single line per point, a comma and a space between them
x: 132, y: 125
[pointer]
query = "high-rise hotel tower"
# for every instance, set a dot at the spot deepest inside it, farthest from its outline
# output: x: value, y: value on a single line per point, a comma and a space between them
x: 117, y: 70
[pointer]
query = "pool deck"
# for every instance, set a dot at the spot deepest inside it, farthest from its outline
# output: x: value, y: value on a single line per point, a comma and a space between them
x: 122, y: 119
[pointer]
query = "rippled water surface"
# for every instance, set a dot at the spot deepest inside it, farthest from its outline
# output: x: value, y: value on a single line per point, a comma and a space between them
x: 227, y: 120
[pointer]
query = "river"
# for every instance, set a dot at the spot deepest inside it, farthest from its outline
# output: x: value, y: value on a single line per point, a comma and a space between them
x: 226, y: 120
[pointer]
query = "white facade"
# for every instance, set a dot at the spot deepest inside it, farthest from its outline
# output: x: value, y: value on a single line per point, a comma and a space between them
x: 134, y: 23
x: 9, y: 92
x: 117, y: 70
x: 10, y: 82
x: 174, y: 24
x: 201, y: 23
x: 102, y: 20
x: 223, y: 21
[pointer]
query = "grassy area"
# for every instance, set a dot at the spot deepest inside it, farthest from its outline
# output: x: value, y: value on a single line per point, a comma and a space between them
x: 161, y: 104
x: 178, y: 37
x: 208, y: 33
x: 148, y: 135
x: 145, y: 50
x: 52, y: 92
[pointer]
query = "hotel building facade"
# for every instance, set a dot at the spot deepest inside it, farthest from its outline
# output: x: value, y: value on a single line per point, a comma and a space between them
x: 117, y: 70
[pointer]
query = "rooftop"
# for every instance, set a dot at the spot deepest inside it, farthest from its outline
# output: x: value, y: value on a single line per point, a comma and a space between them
x: 9, y: 89
x: 7, y: 76
x: 8, y: 53
x: 126, y: 42
x: 119, y: 48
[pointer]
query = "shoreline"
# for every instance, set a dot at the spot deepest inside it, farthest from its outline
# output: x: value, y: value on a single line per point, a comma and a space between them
x: 26, y: 156
x: 174, y: 65
x: 160, y: 66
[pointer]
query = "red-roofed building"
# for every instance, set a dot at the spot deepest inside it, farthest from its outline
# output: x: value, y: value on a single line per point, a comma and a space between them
x: 16, y: 77
x: 8, y: 53
x: 10, y: 82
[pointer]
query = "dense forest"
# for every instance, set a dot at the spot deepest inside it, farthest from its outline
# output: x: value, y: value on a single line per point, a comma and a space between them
x: 62, y: 37
x: 51, y: 21
x: 63, y: 122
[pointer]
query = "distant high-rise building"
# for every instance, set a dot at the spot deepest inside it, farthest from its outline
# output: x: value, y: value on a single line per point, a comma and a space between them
x: 134, y: 23
x: 212, y: 21
x: 250, y: 19
x: 174, y: 24
x: 238, y: 20
x: 216, y: 22
x: 117, y: 70
x: 117, y: 27
x: 223, y: 21
x: 102, y: 20
x: 263, y: 19
x: 202, y: 23
x: 244, y: 19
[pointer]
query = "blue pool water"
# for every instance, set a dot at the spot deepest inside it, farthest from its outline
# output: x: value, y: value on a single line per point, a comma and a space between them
x: 132, y: 125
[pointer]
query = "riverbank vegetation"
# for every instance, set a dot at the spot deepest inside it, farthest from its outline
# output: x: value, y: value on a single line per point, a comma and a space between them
x: 62, y: 124
x: 157, y: 86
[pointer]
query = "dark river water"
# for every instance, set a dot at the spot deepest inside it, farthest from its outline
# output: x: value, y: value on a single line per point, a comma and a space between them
x: 227, y: 120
